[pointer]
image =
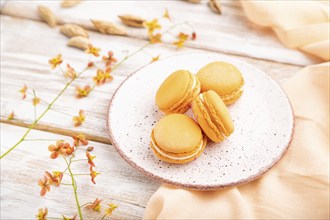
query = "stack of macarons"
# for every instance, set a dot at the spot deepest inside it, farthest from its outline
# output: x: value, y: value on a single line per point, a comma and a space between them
x: 177, y: 138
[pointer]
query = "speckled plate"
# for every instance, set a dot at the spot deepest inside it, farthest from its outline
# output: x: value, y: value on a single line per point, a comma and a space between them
x: 263, y: 121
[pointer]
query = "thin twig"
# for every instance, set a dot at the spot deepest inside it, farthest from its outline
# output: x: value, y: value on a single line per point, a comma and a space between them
x: 74, y: 185
x: 40, y: 117
x: 78, y: 160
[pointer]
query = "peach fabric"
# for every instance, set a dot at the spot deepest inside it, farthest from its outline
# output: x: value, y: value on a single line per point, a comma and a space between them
x: 298, y: 186
x: 298, y: 24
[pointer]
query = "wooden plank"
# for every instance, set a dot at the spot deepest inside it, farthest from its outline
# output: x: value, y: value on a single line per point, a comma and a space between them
x: 118, y: 182
x: 2, y: 3
x: 25, y: 61
x: 229, y: 33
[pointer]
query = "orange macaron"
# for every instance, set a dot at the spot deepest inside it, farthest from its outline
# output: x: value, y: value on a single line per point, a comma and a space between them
x: 213, y: 116
x: 177, y: 138
x: 176, y: 93
x: 223, y: 78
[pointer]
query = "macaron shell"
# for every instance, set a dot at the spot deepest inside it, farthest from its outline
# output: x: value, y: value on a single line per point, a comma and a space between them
x: 192, y: 95
x: 177, y: 133
x: 233, y: 97
x: 204, y: 120
x: 184, y: 104
x: 224, y: 78
x: 219, y: 111
x: 173, y: 89
x: 167, y: 158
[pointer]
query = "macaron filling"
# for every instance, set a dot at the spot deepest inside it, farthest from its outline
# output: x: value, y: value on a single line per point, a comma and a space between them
x: 183, y: 156
x: 228, y: 99
x: 215, y: 117
x: 210, y: 120
x: 182, y: 105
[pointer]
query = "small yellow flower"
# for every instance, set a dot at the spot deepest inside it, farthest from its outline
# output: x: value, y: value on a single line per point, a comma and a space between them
x: 155, y: 38
x: 152, y: 25
x: 23, y: 91
x: 54, y: 62
x: 99, y: 79
x: 55, y: 178
x: 166, y: 15
x: 93, y: 174
x: 80, y: 119
x: 182, y: 38
x: 82, y: 92
x: 90, y: 160
x: 93, y: 50
x: 102, y: 76
x: 44, y: 185
x: 70, y: 72
x: 79, y: 139
x: 11, y: 116
x: 154, y: 59
x: 110, y: 59
x: 58, y: 149
x: 110, y: 209
x: 95, y: 206
x: 35, y: 101
x: 42, y: 214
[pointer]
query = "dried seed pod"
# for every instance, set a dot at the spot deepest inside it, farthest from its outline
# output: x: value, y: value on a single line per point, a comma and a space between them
x: 47, y: 15
x: 72, y: 30
x: 69, y: 3
x: 109, y: 28
x: 215, y: 6
x: 132, y: 21
x: 79, y: 42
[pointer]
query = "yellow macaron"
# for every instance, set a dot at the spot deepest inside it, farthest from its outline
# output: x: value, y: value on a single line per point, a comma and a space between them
x: 223, y: 78
x: 212, y: 115
x: 177, y: 138
x: 176, y: 93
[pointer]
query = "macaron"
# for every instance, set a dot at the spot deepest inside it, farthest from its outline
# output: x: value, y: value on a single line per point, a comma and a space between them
x: 223, y: 78
x: 176, y: 93
x: 176, y: 138
x: 213, y: 116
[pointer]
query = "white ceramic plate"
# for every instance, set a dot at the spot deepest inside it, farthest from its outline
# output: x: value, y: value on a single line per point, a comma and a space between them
x: 263, y: 121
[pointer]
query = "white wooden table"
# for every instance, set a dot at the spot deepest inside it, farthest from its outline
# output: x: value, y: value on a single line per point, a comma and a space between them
x: 27, y: 44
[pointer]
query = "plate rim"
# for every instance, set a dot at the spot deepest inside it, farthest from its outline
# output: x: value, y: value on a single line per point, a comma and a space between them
x: 199, y: 186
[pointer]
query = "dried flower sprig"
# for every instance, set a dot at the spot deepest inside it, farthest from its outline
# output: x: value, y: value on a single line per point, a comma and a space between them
x: 56, y: 62
x: 154, y: 25
x: 68, y: 152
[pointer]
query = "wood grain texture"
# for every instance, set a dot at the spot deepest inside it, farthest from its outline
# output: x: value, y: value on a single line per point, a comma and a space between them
x: 26, y: 46
x: 229, y: 33
x: 20, y: 171
x: 27, y: 63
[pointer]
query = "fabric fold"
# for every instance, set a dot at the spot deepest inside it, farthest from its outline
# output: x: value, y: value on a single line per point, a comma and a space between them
x: 298, y: 24
x: 298, y: 186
